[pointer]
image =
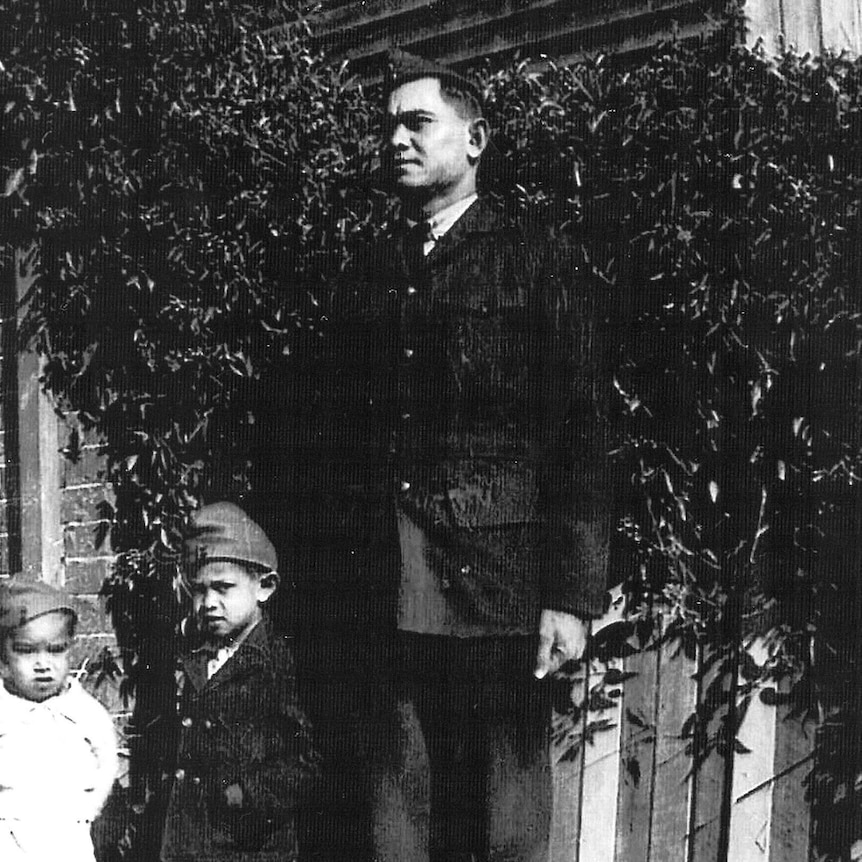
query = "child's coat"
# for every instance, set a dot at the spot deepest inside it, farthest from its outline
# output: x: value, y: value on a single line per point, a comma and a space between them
x: 58, y: 761
x: 240, y: 728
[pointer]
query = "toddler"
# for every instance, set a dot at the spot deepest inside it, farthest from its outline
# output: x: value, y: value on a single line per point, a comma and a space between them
x: 58, y: 752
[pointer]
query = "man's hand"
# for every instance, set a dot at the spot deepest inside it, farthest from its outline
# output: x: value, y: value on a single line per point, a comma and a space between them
x: 233, y: 796
x: 562, y: 637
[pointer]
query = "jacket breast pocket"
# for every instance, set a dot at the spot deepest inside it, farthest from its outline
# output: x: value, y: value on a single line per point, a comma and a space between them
x: 493, y: 493
x: 490, y: 339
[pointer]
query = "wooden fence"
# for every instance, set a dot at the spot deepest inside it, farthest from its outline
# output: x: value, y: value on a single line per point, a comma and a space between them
x: 460, y: 31
x: 630, y: 793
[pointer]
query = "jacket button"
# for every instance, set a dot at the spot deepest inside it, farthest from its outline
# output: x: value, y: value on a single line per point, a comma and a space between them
x: 180, y: 774
x: 187, y: 721
x: 196, y: 780
x: 405, y: 486
x: 408, y: 352
x: 207, y: 724
x: 411, y: 290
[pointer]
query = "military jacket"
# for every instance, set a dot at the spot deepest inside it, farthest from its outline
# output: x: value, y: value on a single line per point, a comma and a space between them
x: 479, y: 390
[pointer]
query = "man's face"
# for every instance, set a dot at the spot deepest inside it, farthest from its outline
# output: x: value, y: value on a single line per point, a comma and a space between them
x: 431, y: 145
x: 35, y: 656
x: 227, y: 598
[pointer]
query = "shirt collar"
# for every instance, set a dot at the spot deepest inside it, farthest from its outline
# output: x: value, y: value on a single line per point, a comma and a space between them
x: 11, y: 704
x: 231, y: 646
x: 440, y: 223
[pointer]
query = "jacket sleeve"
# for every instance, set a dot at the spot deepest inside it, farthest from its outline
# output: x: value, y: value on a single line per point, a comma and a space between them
x: 103, y: 740
x: 576, y: 488
x: 279, y: 761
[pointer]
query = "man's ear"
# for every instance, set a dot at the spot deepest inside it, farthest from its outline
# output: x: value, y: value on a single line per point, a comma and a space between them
x: 480, y: 134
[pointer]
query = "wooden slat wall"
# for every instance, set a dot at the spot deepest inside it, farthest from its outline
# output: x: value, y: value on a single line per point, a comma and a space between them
x: 458, y: 31
x: 809, y: 26
x: 631, y: 795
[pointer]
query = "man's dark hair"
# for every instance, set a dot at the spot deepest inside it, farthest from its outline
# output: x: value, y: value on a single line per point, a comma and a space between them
x: 457, y: 89
x: 462, y: 98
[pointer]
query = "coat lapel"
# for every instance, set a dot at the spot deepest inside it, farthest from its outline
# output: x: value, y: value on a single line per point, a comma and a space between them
x: 251, y: 652
x: 479, y: 218
x: 194, y: 667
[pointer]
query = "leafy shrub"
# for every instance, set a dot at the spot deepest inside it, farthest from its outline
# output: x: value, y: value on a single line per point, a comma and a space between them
x: 190, y: 187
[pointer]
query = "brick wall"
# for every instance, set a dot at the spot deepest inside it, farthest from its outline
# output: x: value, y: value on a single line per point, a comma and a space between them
x: 87, y: 558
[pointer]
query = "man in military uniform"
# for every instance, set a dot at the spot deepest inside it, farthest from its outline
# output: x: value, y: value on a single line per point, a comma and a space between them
x: 473, y: 345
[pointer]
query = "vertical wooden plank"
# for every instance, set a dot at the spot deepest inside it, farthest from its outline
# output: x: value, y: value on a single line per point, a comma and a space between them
x: 842, y: 25
x: 803, y: 28
x: 790, y: 833
x: 637, y: 756
x: 750, y: 816
x: 796, y: 23
x: 50, y: 494
x: 677, y: 696
x: 764, y: 20
x: 706, y: 837
x: 601, y: 774
x: 38, y: 461
x: 10, y: 415
x: 568, y: 776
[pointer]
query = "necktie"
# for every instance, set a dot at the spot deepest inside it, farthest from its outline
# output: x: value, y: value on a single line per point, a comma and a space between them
x: 414, y: 246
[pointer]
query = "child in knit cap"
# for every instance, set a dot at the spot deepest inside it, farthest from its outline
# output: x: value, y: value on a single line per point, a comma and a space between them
x: 58, y: 751
x: 243, y: 750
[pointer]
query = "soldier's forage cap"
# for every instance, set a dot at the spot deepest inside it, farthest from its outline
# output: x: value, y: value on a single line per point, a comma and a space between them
x: 223, y: 531
x: 404, y: 67
x: 23, y: 600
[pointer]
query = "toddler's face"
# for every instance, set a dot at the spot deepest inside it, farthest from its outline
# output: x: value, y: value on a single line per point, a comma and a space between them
x: 227, y: 598
x: 35, y: 657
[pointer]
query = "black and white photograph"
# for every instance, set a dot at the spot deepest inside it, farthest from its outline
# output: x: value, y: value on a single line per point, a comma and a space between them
x: 431, y: 431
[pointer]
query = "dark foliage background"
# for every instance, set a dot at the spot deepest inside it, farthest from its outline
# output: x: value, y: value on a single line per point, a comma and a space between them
x: 188, y: 189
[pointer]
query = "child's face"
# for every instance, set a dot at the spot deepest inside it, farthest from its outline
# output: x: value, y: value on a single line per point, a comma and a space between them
x: 227, y: 598
x: 35, y: 657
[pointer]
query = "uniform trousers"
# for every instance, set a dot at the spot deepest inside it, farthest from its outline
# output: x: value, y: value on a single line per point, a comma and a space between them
x: 461, y: 762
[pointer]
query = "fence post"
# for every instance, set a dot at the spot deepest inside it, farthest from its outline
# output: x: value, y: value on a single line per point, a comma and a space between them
x: 38, y: 458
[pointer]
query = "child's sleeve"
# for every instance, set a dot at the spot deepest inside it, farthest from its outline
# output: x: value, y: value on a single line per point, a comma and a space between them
x: 103, y: 741
x: 273, y: 788
x: 281, y: 759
